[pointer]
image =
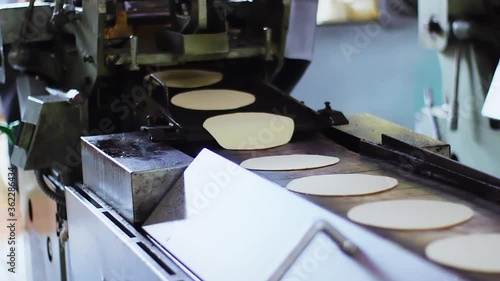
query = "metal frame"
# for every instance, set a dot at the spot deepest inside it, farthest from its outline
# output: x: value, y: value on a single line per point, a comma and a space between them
x: 101, y: 225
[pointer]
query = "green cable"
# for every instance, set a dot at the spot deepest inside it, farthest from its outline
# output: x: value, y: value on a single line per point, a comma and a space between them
x: 9, y: 130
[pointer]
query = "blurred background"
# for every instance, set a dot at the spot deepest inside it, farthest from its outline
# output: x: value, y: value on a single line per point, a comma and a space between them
x: 368, y: 66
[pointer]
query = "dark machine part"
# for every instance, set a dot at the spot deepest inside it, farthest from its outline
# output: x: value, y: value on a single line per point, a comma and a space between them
x: 267, y: 47
x: 268, y: 99
x: 336, y: 117
x: 44, y: 134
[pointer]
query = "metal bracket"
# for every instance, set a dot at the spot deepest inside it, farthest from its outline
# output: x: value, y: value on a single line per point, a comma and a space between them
x: 162, y: 133
x: 336, y: 117
x: 342, y: 242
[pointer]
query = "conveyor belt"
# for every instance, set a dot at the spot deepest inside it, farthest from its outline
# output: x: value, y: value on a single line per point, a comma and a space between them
x: 485, y: 220
x: 267, y: 99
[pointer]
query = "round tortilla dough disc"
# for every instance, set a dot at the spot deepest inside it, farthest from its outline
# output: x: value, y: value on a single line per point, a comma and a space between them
x: 342, y: 184
x: 213, y: 100
x: 187, y: 78
x: 289, y: 162
x: 410, y: 214
x: 250, y: 130
x: 476, y: 252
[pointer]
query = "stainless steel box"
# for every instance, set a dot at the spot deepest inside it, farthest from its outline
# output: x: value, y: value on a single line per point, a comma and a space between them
x: 129, y: 172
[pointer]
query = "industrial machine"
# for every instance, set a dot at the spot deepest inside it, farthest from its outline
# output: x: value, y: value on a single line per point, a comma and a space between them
x: 131, y: 187
x: 464, y: 33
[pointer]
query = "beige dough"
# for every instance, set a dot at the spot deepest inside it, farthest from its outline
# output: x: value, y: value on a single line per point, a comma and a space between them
x: 476, y: 252
x: 187, y: 78
x: 213, y: 99
x: 289, y: 162
x: 250, y: 130
x: 342, y: 184
x: 410, y: 214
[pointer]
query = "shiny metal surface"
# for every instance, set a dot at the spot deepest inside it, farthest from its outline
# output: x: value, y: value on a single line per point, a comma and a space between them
x: 129, y: 172
x: 103, y: 246
x: 239, y: 226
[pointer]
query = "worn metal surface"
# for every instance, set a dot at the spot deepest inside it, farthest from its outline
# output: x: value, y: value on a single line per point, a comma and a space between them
x: 172, y: 207
x: 46, y: 139
x: 370, y: 128
x: 239, y: 226
x: 485, y: 220
x: 129, y: 172
x: 103, y: 246
x: 12, y: 17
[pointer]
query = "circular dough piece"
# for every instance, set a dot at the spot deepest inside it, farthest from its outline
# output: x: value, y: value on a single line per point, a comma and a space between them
x: 342, y: 184
x: 289, y: 162
x: 250, y: 130
x: 213, y: 99
x: 187, y: 78
x: 410, y: 214
x: 476, y: 252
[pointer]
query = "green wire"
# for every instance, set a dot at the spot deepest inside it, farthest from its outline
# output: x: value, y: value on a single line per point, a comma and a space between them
x: 9, y: 130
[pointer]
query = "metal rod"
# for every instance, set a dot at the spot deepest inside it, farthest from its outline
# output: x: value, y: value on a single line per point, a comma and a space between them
x: 453, y: 110
x: 342, y: 242
x: 133, y: 52
x: 153, y: 77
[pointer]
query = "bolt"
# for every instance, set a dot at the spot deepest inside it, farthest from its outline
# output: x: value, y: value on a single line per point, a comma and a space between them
x: 88, y: 58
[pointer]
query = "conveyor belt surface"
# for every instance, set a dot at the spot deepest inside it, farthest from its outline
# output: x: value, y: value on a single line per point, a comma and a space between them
x: 486, y: 214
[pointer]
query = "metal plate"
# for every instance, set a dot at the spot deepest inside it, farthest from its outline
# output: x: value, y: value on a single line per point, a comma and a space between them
x: 239, y: 226
x: 102, y: 246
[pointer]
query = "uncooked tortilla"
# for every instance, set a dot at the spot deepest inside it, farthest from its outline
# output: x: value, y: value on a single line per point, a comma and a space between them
x: 289, y: 162
x: 410, y: 214
x: 213, y: 100
x: 342, y: 184
x: 187, y: 78
x: 476, y: 252
x: 250, y: 130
